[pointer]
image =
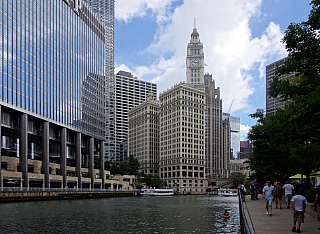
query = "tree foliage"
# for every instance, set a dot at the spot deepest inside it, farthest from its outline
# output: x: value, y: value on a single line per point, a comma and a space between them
x: 291, y: 137
x: 153, y: 181
x: 237, y: 177
x: 125, y: 167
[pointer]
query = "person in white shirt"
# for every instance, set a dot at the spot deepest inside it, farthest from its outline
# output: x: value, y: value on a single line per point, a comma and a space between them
x: 288, y: 191
x: 243, y: 191
x: 299, y: 203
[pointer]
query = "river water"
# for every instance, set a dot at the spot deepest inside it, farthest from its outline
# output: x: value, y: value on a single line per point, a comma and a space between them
x: 177, y: 214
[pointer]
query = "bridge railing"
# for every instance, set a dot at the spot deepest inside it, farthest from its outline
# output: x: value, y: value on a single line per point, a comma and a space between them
x: 246, y: 226
x: 30, y: 189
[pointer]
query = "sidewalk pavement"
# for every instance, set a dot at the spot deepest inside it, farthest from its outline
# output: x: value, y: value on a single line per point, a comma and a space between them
x: 281, y: 221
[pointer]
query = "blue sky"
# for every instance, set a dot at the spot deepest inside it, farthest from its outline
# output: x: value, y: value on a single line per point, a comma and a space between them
x: 240, y: 38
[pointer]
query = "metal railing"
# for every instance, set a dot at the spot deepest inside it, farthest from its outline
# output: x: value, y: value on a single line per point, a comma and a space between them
x: 62, y: 190
x: 245, y: 228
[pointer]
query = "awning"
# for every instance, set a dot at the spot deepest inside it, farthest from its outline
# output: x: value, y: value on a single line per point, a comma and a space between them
x: 297, y: 176
x: 315, y: 174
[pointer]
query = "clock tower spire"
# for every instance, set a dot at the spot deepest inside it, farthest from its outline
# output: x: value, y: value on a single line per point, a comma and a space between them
x: 195, y: 59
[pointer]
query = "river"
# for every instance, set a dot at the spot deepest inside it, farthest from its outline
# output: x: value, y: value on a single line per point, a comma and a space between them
x: 177, y: 214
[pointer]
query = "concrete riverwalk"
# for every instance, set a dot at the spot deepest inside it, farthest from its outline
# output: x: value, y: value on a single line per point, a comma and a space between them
x: 281, y: 221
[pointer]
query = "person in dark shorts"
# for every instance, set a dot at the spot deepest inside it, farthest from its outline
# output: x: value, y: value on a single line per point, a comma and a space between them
x: 257, y: 186
x: 253, y: 191
x: 299, y: 203
x: 278, y: 195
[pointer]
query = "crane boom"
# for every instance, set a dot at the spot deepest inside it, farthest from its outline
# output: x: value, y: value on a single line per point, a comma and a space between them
x: 230, y: 106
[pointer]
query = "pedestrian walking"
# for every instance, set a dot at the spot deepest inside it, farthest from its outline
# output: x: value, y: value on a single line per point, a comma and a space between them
x: 243, y: 191
x: 257, y: 186
x: 268, y: 194
x: 299, y: 203
x: 288, y: 191
x: 253, y: 191
x: 278, y: 195
x: 317, y: 203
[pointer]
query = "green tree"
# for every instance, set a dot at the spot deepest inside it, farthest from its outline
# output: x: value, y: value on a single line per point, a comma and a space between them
x: 157, y: 182
x: 298, y: 84
x: 237, y: 177
x: 124, y: 167
x: 133, y: 165
x: 270, y: 159
x: 147, y: 179
x: 115, y: 168
x: 96, y: 163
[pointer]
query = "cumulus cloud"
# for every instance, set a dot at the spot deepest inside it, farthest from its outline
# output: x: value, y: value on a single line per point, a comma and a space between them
x: 244, y: 130
x: 128, y: 9
x: 230, y: 49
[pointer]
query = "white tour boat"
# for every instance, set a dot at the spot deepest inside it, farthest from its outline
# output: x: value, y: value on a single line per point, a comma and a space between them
x: 157, y: 192
x: 227, y: 192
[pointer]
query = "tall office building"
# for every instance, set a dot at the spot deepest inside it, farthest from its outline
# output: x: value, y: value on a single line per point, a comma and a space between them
x: 245, y: 149
x: 216, y: 155
x: 182, y: 143
x: 226, y: 149
x: 52, y: 94
x: 104, y: 9
x: 235, y: 135
x: 129, y: 92
x: 272, y: 103
x: 144, y: 134
x: 213, y: 127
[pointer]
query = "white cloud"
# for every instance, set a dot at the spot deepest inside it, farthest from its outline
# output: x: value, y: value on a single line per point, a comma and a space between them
x: 128, y: 9
x: 230, y: 50
x: 244, y: 130
x: 122, y: 67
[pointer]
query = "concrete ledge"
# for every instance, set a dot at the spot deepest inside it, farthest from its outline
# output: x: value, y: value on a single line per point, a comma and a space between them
x: 310, y: 211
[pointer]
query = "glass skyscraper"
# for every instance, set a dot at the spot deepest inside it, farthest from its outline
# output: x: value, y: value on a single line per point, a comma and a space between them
x: 104, y: 9
x: 235, y: 134
x: 53, y: 88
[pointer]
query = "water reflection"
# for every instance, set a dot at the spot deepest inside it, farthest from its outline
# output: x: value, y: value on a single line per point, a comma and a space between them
x: 178, y: 214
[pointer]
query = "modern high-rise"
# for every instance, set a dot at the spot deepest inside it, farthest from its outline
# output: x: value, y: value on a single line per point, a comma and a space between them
x: 104, y: 9
x: 235, y: 135
x: 226, y: 149
x: 144, y: 133
x: 52, y: 94
x: 272, y: 104
x: 129, y: 93
x: 182, y: 138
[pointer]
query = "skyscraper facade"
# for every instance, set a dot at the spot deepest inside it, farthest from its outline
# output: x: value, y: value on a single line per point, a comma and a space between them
x: 144, y: 134
x: 213, y: 131
x: 104, y: 9
x: 182, y: 143
x: 272, y: 104
x: 129, y: 93
x: 216, y: 156
x: 52, y: 94
x: 235, y: 134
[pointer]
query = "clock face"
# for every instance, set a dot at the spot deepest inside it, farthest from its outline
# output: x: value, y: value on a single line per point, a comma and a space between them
x: 195, y: 62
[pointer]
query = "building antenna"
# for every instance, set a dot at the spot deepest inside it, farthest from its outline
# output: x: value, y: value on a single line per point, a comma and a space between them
x: 195, y: 23
x: 230, y: 106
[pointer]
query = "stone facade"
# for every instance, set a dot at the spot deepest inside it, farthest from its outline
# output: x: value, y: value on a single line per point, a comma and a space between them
x: 182, y: 143
x: 144, y: 134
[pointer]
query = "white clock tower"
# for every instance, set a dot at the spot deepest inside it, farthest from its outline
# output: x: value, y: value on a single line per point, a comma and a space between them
x: 195, y: 59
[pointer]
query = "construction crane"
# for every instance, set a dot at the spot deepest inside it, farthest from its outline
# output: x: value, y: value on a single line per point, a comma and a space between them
x: 230, y: 106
